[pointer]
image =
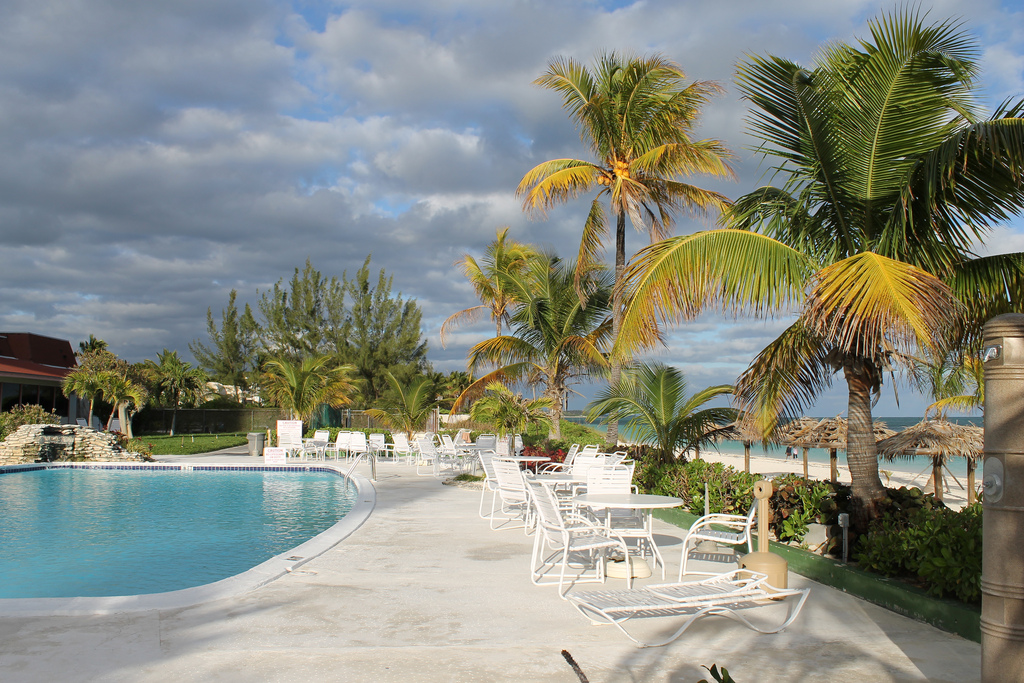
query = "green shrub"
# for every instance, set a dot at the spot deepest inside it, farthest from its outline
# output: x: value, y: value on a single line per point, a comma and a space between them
x: 25, y: 415
x: 797, y: 502
x: 931, y: 543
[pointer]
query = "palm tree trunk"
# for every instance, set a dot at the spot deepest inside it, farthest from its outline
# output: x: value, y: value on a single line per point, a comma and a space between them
x: 556, y: 416
x: 805, y: 450
x: 620, y: 266
x: 861, y: 454
x: 746, y: 457
x: 92, y: 404
x: 937, y: 481
x: 833, y: 465
x: 174, y: 418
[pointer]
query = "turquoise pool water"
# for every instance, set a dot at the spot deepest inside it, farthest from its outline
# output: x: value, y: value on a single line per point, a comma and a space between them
x: 100, y: 532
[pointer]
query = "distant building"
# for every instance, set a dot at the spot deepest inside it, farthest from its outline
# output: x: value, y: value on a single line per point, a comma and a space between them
x: 32, y: 368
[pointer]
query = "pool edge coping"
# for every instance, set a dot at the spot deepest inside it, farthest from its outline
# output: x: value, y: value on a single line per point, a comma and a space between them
x: 238, y: 584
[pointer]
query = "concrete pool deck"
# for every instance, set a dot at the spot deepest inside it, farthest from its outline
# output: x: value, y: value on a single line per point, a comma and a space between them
x: 424, y: 591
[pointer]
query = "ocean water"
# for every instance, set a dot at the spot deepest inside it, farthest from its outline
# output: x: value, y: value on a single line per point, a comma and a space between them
x: 90, y: 532
x: 913, y: 465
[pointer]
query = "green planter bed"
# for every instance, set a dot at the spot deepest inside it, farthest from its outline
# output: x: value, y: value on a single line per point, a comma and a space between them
x: 949, y: 615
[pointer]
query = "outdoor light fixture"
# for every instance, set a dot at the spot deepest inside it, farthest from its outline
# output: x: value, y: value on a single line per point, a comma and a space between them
x: 992, y: 352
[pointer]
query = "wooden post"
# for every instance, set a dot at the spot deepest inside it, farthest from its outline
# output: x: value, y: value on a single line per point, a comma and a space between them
x: 746, y: 457
x: 937, y: 480
x: 833, y: 465
x: 805, y: 450
x: 972, y: 496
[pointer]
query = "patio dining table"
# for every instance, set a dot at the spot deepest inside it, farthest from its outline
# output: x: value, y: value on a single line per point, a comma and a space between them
x: 644, y: 502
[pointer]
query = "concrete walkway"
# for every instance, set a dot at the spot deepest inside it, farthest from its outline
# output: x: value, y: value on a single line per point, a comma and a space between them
x: 424, y: 591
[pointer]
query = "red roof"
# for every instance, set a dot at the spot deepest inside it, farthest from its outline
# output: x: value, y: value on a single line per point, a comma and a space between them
x: 32, y: 356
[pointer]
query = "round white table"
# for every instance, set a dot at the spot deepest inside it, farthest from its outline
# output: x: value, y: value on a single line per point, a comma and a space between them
x: 631, y: 501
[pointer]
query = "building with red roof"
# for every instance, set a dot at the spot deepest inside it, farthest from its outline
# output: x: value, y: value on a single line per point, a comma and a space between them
x: 32, y: 368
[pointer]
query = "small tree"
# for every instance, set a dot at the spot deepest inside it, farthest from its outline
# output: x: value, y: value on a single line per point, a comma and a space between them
x: 232, y: 353
x: 301, y: 387
x: 407, y: 409
x: 509, y: 412
x: 175, y: 382
x: 653, y: 398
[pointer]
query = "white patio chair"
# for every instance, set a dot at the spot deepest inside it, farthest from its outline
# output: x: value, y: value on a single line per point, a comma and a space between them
x: 400, y: 447
x: 315, y: 448
x: 738, y: 530
x: 487, y: 441
x: 517, y: 444
x: 726, y: 595
x: 462, y: 437
x: 448, y: 446
x: 501, y: 448
x: 511, y: 492
x: 339, y: 446
x: 564, y: 535
x: 565, y: 465
x: 490, y: 481
x: 426, y: 456
x: 357, y: 444
x: 376, y: 443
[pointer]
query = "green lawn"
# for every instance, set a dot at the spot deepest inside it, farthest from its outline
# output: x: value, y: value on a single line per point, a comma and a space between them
x: 190, y: 444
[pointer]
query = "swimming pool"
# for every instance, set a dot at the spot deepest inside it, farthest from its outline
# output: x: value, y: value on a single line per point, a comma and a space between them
x: 71, y: 531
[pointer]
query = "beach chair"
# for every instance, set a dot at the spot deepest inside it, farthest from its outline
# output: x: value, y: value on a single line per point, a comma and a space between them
x: 739, y: 529
x: 376, y: 444
x: 399, y: 448
x: 511, y: 492
x: 726, y: 595
x: 316, y: 448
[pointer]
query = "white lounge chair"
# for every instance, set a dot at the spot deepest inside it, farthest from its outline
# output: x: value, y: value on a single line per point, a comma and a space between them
x: 568, y: 534
x: 738, y: 530
x: 725, y: 595
x: 490, y: 481
x: 565, y: 465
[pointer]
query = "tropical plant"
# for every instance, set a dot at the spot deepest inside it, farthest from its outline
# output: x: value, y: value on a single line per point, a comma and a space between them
x: 175, y: 382
x: 91, y: 345
x: 509, y: 412
x: 503, y: 257
x: 407, y: 408
x: 555, y: 336
x: 122, y: 389
x: 953, y: 381
x: 301, y: 387
x: 652, y: 396
x: 890, y: 179
x: 88, y: 379
x: 26, y: 414
x: 232, y: 355
x: 637, y: 116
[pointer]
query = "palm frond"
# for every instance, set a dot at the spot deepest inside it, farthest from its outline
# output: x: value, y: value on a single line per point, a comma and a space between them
x: 556, y: 181
x: 866, y: 301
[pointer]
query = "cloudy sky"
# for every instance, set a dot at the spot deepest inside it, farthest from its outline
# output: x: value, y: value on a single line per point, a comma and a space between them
x: 154, y: 156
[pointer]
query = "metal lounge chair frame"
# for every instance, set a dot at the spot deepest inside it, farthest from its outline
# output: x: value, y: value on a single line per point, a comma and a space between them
x: 725, y: 595
x: 739, y: 530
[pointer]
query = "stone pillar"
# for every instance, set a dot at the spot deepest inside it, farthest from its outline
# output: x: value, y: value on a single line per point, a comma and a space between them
x: 1002, y: 576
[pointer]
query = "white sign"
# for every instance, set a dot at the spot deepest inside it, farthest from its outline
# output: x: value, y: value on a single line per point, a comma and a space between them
x: 275, y: 456
x: 289, y: 433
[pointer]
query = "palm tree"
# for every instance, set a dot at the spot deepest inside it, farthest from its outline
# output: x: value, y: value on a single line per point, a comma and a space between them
x: 85, y: 382
x: 127, y: 395
x: 555, y: 337
x: 637, y: 117
x: 302, y: 386
x: 890, y: 177
x: 510, y: 412
x: 653, y: 398
x: 175, y: 382
x: 408, y: 408
x: 953, y: 382
x: 91, y: 345
x: 502, y: 257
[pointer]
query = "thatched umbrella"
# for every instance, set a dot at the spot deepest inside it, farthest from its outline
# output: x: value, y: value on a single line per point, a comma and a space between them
x: 938, y: 440
x: 745, y: 431
x: 793, y: 434
x: 830, y: 433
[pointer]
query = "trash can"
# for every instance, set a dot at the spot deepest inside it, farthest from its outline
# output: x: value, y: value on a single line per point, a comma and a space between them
x: 256, y: 441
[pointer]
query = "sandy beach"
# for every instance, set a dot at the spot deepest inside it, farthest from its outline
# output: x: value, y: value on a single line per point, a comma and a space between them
x: 954, y: 496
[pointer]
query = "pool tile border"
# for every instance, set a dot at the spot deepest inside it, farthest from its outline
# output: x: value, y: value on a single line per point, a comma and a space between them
x: 260, y: 575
